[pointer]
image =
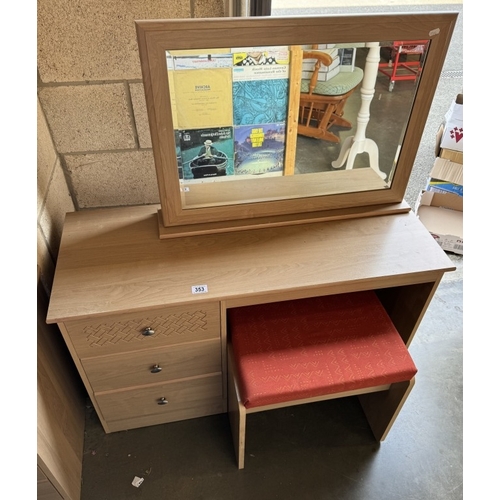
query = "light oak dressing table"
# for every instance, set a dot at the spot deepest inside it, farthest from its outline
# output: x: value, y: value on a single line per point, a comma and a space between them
x: 115, y: 279
x: 140, y: 294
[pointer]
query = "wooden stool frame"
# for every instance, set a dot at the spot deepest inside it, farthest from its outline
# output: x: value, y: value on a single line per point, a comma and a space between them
x: 381, y: 405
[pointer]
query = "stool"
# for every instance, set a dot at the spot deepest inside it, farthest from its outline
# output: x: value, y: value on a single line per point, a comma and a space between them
x: 302, y: 351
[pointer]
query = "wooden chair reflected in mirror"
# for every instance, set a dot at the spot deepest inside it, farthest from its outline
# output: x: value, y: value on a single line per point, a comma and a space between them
x: 322, y: 102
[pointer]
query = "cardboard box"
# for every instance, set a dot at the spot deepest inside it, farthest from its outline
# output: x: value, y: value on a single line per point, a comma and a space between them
x: 447, y: 170
x: 439, y: 186
x: 308, y: 64
x: 446, y: 177
x: 453, y: 134
x: 454, y: 156
x: 447, y: 154
x: 442, y: 215
x: 323, y: 75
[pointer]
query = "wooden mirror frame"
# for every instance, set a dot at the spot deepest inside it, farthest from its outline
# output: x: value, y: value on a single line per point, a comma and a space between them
x: 155, y: 37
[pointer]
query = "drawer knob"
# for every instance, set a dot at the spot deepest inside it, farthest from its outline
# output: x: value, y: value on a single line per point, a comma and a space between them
x: 148, y: 331
x: 156, y: 369
x: 162, y: 401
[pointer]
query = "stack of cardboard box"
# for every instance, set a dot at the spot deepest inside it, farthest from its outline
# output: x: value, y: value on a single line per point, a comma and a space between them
x: 440, y: 206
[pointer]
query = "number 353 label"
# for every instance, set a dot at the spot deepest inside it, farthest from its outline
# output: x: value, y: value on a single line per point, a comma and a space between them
x: 199, y: 289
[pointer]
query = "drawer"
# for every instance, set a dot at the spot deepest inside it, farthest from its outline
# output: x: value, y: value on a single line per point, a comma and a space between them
x: 111, y: 372
x: 129, y: 332
x: 140, y: 406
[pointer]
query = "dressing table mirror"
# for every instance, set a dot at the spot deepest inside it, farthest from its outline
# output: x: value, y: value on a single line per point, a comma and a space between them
x: 204, y: 91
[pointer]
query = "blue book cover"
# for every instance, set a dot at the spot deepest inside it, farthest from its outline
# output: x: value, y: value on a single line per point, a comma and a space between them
x: 260, y: 101
x: 259, y: 149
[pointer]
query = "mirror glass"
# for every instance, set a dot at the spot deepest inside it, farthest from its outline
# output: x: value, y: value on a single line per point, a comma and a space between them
x: 267, y: 123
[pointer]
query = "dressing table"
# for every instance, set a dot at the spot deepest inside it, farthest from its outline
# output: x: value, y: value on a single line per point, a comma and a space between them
x: 141, y: 293
x: 116, y: 279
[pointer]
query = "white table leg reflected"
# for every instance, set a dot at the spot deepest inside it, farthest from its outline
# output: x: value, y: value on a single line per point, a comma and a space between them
x: 359, y: 143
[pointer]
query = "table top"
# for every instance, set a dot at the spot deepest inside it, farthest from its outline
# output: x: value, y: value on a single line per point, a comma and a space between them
x: 113, y: 261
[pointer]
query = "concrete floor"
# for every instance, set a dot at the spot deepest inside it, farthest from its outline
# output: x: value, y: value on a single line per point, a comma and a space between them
x: 320, y: 451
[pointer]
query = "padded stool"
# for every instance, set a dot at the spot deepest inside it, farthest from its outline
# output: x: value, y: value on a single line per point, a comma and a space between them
x: 301, y: 351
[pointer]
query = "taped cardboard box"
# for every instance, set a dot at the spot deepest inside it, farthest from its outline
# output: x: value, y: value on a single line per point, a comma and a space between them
x: 453, y: 134
x: 447, y: 154
x: 442, y: 215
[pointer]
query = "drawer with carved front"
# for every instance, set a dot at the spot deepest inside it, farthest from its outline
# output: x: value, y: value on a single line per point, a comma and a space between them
x: 154, y: 328
x: 153, y: 366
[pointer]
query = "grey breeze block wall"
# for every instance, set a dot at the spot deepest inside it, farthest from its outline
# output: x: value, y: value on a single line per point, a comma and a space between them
x: 94, y: 147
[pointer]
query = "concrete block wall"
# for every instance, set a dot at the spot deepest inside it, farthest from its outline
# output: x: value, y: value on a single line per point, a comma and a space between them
x: 54, y: 200
x: 94, y: 147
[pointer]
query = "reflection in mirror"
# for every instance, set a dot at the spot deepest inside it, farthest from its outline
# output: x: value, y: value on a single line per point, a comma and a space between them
x: 383, y: 120
x: 230, y: 112
x: 248, y: 120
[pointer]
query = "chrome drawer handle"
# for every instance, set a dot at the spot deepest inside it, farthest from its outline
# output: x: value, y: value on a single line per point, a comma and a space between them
x: 148, y: 331
x: 156, y: 369
x: 162, y: 401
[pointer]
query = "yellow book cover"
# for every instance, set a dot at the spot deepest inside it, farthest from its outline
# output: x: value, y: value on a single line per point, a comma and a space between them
x: 203, y: 98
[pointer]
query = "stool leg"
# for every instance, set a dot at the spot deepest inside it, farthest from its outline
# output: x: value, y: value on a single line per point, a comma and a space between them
x: 382, y: 408
x: 237, y: 415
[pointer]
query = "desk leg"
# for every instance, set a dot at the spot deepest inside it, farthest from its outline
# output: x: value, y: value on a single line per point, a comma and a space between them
x: 382, y: 408
x: 358, y: 143
x: 237, y: 414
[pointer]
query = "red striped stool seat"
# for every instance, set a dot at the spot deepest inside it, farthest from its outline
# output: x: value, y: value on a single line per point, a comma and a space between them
x: 298, y: 349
